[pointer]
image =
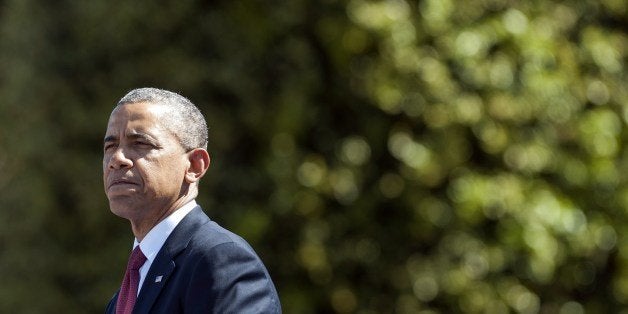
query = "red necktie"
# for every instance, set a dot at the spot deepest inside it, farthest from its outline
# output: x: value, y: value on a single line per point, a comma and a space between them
x: 128, y: 291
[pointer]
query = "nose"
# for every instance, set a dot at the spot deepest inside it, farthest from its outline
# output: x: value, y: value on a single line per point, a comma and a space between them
x: 119, y: 160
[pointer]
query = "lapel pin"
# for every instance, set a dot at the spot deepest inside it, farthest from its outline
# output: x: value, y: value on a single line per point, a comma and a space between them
x: 158, y: 278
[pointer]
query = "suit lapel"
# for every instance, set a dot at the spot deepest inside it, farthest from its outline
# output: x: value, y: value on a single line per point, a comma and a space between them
x: 164, y: 264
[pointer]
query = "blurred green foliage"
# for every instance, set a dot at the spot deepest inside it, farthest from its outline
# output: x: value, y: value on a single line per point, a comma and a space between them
x: 384, y: 156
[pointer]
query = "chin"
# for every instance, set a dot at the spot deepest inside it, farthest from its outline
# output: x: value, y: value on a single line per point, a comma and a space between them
x: 121, y: 209
x: 120, y: 213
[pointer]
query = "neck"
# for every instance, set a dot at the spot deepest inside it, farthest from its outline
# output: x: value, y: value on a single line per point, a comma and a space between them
x: 141, y: 227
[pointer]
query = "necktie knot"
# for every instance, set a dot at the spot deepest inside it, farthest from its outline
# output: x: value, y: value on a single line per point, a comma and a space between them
x: 137, y: 259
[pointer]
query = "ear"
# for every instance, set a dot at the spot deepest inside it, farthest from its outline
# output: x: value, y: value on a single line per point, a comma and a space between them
x: 199, y: 163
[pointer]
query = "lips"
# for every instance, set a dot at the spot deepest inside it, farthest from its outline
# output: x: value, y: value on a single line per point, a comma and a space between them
x: 123, y: 181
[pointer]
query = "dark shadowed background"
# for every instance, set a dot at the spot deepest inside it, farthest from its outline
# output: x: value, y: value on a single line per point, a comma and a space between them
x: 389, y: 156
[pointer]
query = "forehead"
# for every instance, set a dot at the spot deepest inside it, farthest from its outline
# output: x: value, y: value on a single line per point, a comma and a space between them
x: 138, y: 117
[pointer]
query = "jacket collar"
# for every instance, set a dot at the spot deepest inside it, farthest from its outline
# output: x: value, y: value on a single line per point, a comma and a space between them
x: 164, y: 263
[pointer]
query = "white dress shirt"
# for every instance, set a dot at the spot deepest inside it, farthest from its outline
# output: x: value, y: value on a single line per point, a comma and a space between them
x: 156, y: 237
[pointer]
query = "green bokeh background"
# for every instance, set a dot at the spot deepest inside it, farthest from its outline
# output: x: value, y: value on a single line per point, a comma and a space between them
x: 391, y: 156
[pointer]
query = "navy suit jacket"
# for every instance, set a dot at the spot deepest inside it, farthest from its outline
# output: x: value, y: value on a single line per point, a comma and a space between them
x: 204, y: 268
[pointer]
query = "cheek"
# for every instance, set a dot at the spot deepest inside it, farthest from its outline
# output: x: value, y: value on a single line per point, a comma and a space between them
x: 151, y: 174
x: 169, y: 173
x: 160, y: 174
x: 105, y: 167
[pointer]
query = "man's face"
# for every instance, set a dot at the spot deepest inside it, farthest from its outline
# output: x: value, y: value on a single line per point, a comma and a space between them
x: 143, y: 163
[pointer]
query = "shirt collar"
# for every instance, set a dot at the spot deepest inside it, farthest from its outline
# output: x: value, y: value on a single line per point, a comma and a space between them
x: 156, y: 237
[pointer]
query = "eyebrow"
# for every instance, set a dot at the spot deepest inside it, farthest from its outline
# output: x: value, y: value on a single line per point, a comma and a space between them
x: 110, y: 138
x: 113, y: 138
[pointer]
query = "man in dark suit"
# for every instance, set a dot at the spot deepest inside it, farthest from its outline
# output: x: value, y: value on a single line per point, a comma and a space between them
x: 155, y: 153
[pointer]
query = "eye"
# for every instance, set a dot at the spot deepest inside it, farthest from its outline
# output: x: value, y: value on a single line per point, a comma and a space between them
x: 109, y: 146
x: 143, y: 144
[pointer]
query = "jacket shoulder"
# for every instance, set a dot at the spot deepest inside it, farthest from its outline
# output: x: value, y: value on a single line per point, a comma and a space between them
x: 221, y: 264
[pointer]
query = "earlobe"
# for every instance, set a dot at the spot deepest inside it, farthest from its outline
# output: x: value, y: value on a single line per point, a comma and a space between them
x: 199, y: 163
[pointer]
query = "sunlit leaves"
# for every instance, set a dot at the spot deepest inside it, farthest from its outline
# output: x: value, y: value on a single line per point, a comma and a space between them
x: 514, y: 78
